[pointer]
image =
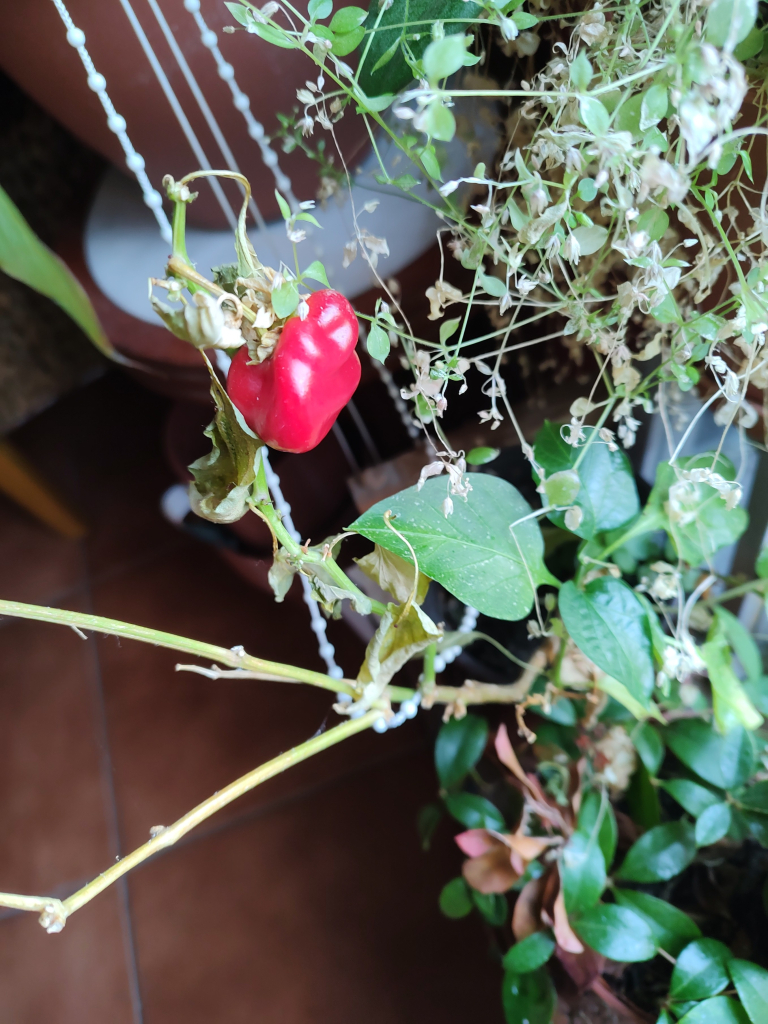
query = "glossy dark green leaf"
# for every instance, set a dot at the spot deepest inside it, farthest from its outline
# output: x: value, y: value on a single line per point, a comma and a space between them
x: 643, y: 799
x: 720, y: 1010
x: 616, y: 932
x: 660, y: 854
x: 671, y: 928
x: 650, y: 746
x: 608, y: 623
x: 459, y: 746
x: 473, y: 553
x: 596, y: 812
x: 755, y: 798
x: 394, y: 73
x: 475, y: 811
x: 528, y: 998
x: 742, y: 642
x: 701, y: 970
x: 530, y: 953
x: 582, y: 873
x: 713, y: 824
x: 730, y: 703
x: 607, y: 496
x: 455, y: 900
x: 725, y: 761
x: 493, y: 906
x: 692, y: 796
x: 756, y: 825
x: 24, y: 257
x: 751, y: 983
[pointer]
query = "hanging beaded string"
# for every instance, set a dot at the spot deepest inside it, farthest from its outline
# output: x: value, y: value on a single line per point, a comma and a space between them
x: 115, y: 122
x: 242, y: 103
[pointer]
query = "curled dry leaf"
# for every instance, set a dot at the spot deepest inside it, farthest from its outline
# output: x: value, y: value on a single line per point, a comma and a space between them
x: 526, y: 917
x: 565, y: 935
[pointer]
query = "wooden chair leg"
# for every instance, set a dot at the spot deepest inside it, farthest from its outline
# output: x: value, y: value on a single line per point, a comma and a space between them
x: 25, y: 486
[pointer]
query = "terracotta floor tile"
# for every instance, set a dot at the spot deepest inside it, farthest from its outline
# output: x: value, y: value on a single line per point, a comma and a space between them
x: 76, y: 977
x: 51, y: 786
x: 325, y: 911
x: 196, y: 734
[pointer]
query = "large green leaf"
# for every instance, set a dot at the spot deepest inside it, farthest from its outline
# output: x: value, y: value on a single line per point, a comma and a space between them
x: 701, y: 970
x: 616, y: 932
x: 755, y: 798
x: 530, y: 953
x: 741, y: 640
x: 475, y: 811
x: 607, y: 496
x: 730, y: 703
x: 597, y: 814
x: 608, y: 623
x: 474, y: 552
x: 713, y: 824
x: 385, y: 69
x: 660, y: 854
x: 460, y: 744
x: 719, y: 1010
x: 24, y: 257
x: 671, y: 928
x: 454, y: 899
x: 697, y: 519
x: 725, y: 761
x: 528, y: 998
x: 751, y: 983
x: 692, y: 796
x: 582, y: 873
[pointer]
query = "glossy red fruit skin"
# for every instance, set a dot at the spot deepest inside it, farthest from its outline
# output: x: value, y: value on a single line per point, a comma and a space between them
x: 292, y: 399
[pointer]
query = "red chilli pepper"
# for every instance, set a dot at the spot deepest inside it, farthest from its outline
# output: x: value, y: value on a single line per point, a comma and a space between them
x: 292, y: 399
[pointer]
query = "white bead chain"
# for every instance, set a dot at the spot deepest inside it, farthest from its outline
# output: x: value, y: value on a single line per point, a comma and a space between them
x: 325, y: 647
x: 450, y: 654
x: 115, y: 123
x: 242, y: 103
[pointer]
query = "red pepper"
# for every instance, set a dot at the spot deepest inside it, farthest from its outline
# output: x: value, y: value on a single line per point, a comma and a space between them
x: 292, y: 399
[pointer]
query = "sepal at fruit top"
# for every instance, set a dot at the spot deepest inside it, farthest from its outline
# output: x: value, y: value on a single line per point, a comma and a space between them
x: 224, y: 479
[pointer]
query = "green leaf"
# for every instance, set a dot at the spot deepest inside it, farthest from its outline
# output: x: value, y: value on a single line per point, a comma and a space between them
x: 318, y: 10
x: 653, y: 107
x: 429, y: 818
x: 650, y: 747
x: 473, y: 553
x: 524, y: 20
x: 730, y: 21
x: 24, y: 257
x: 528, y: 998
x: 581, y: 72
x: 594, y: 115
x: 377, y: 343
x: 395, y: 73
x: 591, y: 239
x: 530, y: 953
x: 731, y: 705
x: 712, y: 824
x: 346, y: 42
x: 755, y: 798
x: 662, y: 853
x: 742, y: 642
x: 616, y: 932
x: 692, y: 796
x: 439, y: 122
x: 455, y: 900
x: 239, y: 13
x: 670, y: 927
x: 493, y: 906
x: 481, y: 456
x: 751, y: 983
x: 761, y: 565
x: 448, y: 328
x: 460, y: 745
x: 596, y: 813
x: 654, y: 222
x: 223, y: 478
x: 587, y: 189
x: 316, y: 271
x: 701, y: 970
x: 475, y: 812
x: 750, y: 46
x: 443, y: 57
x: 720, y: 1010
x: 347, y: 19
x: 702, y: 524
x: 608, y: 624
x: 725, y: 761
x: 608, y: 495
x: 582, y: 872
x: 285, y: 299
x: 643, y: 800
x: 282, y: 202
x: 493, y: 285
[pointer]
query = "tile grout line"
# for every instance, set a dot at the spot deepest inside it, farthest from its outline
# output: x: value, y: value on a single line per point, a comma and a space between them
x: 113, y: 817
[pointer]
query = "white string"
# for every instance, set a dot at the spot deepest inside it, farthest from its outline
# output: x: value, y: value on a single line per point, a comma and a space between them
x: 242, y: 103
x: 325, y: 647
x: 181, y: 117
x: 202, y: 103
x: 115, y: 123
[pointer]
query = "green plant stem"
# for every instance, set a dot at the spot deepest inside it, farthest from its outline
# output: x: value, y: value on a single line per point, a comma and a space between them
x: 267, y: 670
x: 752, y: 586
x: 170, y: 835
x: 644, y: 524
